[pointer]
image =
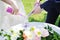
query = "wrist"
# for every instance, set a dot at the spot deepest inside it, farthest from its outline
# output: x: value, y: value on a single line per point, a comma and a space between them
x: 14, y: 7
x: 37, y: 3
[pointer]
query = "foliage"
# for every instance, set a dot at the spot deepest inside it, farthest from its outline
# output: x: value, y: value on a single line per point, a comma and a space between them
x: 52, y: 34
x: 20, y: 36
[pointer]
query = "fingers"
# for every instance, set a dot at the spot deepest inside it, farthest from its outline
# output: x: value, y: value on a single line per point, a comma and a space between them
x: 37, y: 10
x: 15, y: 12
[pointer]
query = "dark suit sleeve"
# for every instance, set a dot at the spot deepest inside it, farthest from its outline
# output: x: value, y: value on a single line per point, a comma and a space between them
x: 57, y: 1
x: 47, y: 5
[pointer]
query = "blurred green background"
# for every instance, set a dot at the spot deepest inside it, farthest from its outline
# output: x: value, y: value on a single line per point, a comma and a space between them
x: 29, y: 4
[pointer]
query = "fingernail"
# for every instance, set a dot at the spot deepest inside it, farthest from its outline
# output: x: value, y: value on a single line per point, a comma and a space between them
x: 9, y: 9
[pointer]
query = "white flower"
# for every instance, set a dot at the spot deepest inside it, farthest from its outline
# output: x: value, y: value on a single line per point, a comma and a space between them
x: 17, y: 28
x: 37, y: 32
x: 44, y: 32
x: 32, y: 29
x: 28, y: 34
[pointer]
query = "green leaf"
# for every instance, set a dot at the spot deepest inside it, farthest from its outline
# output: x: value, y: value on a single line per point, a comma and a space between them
x: 0, y: 33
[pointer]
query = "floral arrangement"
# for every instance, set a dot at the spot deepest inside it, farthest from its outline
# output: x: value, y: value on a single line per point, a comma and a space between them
x: 31, y: 33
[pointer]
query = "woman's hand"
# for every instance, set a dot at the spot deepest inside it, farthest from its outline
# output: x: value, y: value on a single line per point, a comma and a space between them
x: 11, y: 3
x: 15, y: 11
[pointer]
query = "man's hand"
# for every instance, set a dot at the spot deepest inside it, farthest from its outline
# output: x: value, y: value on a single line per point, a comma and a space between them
x: 37, y: 8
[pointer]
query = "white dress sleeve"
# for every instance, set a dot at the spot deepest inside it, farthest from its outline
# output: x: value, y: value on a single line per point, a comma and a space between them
x: 11, y: 20
x: 2, y: 11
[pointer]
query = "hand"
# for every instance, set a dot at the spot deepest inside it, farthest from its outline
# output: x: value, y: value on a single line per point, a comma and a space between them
x: 12, y: 11
x: 15, y: 11
x: 12, y: 4
x: 37, y: 8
